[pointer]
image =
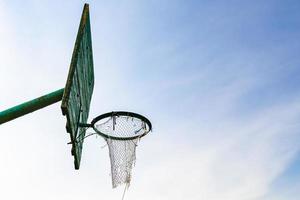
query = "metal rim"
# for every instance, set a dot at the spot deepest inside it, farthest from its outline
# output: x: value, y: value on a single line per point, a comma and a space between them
x: 121, y: 113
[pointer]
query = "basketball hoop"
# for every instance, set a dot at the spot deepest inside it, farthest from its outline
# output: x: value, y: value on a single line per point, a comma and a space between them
x: 122, y: 131
x: 121, y: 125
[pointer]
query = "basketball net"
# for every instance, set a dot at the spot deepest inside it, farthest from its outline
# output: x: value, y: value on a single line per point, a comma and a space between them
x: 122, y: 152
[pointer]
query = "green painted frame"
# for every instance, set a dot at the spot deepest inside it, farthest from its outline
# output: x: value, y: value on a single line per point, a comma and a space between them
x: 31, y: 106
x: 79, y: 87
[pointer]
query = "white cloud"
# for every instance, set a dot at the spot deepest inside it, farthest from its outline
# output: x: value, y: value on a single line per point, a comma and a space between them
x: 211, y: 154
x: 240, y: 163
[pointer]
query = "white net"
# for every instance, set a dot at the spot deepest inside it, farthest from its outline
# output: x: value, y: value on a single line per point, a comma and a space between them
x: 122, y: 159
x: 122, y: 152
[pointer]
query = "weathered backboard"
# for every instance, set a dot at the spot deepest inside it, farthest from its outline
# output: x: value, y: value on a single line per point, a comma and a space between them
x: 79, y: 87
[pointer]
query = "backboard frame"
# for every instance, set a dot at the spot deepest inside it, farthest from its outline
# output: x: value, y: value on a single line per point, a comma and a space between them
x: 79, y: 86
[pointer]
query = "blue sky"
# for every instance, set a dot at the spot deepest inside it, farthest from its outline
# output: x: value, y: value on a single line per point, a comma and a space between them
x: 218, y: 79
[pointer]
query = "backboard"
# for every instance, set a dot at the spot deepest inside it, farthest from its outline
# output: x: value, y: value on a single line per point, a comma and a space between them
x: 79, y: 87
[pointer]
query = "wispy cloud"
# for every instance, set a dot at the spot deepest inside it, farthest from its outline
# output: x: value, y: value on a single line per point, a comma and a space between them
x: 238, y: 161
x: 218, y: 80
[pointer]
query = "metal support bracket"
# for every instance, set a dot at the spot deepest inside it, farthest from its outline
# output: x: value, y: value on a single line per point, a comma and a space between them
x: 30, y: 106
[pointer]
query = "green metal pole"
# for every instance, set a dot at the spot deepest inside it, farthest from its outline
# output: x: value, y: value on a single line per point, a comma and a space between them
x: 30, y: 106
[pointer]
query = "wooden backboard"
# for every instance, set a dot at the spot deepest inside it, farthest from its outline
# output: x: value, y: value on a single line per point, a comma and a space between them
x: 79, y: 87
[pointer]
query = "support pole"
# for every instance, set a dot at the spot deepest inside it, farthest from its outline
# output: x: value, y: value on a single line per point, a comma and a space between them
x: 30, y: 106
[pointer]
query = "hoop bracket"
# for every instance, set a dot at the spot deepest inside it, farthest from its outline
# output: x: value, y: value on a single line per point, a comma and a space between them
x: 85, y: 125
